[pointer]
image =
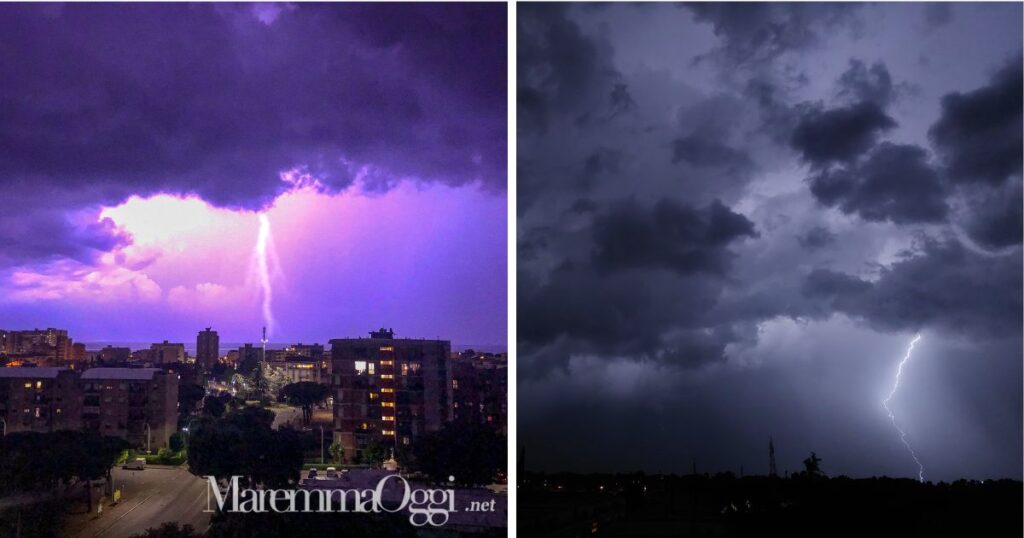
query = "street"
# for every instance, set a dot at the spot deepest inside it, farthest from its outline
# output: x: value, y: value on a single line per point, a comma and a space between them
x: 149, y: 498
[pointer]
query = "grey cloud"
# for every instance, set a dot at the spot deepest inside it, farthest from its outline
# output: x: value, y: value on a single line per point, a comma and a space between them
x: 669, y: 235
x: 816, y: 238
x: 867, y: 84
x: 894, y: 183
x: 839, y: 134
x: 979, y: 132
x: 941, y: 284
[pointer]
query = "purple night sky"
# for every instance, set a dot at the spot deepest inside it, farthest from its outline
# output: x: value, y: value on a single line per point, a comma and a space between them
x: 141, y: 143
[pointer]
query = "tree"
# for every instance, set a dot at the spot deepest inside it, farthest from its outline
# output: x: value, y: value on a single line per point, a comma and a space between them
x: 243, y: 443
x: 376, y: 450
x: 305, y: 394
x: 215, y: 406
x: 473, y: 453
x: 189, y: 394
x: 177, y: 442
x: 337, y: 452
x: 811, y: 464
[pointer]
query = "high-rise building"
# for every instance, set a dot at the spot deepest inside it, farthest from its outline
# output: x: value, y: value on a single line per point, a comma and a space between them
x: 207, y: 349
x: 480, y: 388
x: 138, y: 404
x: 167, y: 352
x: 388, y: 389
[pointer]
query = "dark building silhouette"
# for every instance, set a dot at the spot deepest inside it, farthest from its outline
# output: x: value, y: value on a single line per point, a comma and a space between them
x: 207, y: 349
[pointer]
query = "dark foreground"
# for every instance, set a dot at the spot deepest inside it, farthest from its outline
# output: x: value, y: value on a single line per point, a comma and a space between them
x: 723, y: 505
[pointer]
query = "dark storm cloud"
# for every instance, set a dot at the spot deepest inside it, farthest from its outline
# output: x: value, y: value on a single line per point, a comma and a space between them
x: 562, y: 72
x: 979, y: 132
x: 669, y: 235
x: 894, y: 183
x: 653, y: 315
x: 996, y: 217
x: 216, y: 100
x: 867, y: 84
x: 839, y: 134
x: 757, y: 31
x: 50, y: 234
x: 795, y: 117
x: 941, y: 284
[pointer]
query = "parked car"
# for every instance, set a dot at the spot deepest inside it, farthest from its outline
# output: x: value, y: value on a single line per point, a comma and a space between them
x: 312, y: 472
x: 331, y: 472
x: 138, y: 464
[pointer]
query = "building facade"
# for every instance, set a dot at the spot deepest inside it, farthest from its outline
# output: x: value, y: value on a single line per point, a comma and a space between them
x: 39, y: 400
x: 480, y: 388
x: 166, y: 352
x: 137, y: 404
x: 207, y: 349
x: 388, y: 390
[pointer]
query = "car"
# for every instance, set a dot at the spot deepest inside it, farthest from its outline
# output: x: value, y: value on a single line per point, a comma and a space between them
x: 138, y: 464
x: 331, y: 472
x: 312, y: 472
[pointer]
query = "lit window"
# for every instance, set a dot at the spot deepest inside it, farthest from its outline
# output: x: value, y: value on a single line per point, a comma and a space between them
x: 455, y: 383
x: 28, y: 385
x: 364, y: 426
x: 373, y: 395
x: 405, y: 368
x: 388, y: 418
x: 370, y: 368
x: 387, y: 363
x: 388, y: 432
x: 360, y: 367
x: 39, y: 384
x: 405, y: 440
x: 387, y: 376
x: 387, y: 348
x: 387, y: 390
x: 387, y: 404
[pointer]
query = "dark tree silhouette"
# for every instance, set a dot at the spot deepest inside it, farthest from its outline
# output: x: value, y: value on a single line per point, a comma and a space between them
x: 305, y: 394
x: 811, y: 464
x: 243, y: 443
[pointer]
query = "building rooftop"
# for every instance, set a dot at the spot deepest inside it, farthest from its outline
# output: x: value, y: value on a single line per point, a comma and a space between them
x: 35, y: 372
x: 120, y: 373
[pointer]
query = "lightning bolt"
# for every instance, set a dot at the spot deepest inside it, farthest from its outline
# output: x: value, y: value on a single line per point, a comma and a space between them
x: 263, y: 242
x: 892, y: 417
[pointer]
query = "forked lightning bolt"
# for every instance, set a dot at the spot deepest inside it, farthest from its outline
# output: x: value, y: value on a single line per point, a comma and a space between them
x: 892, y: 417
x: 263, y: 241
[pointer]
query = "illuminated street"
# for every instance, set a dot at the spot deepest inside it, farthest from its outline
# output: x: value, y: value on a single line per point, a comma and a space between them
x: 150, y: 497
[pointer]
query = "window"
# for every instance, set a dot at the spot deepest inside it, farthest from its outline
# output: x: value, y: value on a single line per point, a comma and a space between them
x: 39, y: 384
x: 28, y: 385
x: 387, y: 404
x: 360, y: 367
x: 388, y: 418
x: 455, y: 384
x: 369, y: 368
x: 374, y: 395
x: 387, y: 376
x: 405, y: 440
x: 387, y: 432
x: 387, y: 348
x: 387, y: 363
x: 387, y: 390
x: 405, y: 368
x: 414, y: 366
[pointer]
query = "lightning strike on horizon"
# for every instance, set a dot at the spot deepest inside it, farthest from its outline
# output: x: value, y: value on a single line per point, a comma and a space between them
x: 892, y: 417
x: 263, y: 241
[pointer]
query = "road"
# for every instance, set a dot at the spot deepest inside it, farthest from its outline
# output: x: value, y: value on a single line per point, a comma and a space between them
x: 149, y: 498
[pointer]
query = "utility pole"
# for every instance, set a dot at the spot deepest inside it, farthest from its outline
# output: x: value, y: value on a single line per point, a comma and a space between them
x: 771, y: 458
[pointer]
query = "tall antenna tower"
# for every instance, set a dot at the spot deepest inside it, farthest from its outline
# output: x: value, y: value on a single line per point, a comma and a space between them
x: 771, y: 458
